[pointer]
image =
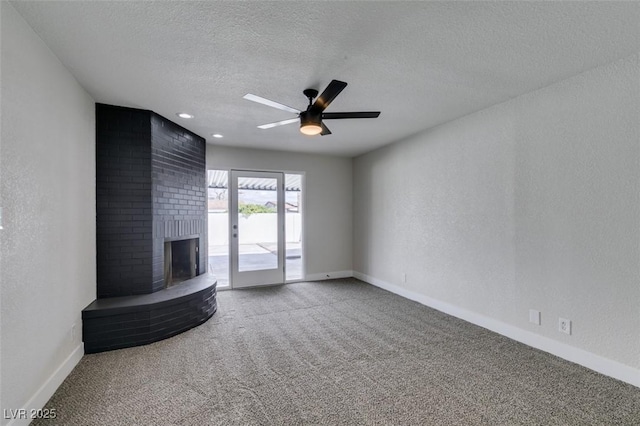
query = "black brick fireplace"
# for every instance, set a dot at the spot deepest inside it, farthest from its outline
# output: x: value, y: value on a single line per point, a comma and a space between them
x: 151, y: 210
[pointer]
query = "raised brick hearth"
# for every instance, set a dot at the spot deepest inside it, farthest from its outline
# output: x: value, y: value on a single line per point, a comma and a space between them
x: 150, y: 190
x: 121, y: 322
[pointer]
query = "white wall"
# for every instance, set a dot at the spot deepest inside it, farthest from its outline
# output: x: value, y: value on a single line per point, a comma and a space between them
x: 327, y: 200
x: 48, y: 244
x: 256, y: 228
x: 530, y: 204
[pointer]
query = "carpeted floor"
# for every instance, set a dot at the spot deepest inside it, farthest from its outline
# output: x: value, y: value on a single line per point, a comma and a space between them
x: 336, y: 352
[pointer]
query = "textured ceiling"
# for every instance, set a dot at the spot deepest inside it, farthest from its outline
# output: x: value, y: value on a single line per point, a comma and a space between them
x: 420, y: 63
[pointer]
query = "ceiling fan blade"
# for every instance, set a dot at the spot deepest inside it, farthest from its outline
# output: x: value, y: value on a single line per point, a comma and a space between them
x: 270, y: 103
x: 279, y: 123
x: 339, y: 115
x: 333, y: 89
x: 325, y: 130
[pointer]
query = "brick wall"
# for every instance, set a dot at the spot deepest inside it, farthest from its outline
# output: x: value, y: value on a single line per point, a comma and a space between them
x: 150, y: 186
x: 123, y: 201
x: 179, y: 182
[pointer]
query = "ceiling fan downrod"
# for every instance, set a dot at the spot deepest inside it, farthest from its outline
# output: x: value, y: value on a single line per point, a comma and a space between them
x: 311, y: 95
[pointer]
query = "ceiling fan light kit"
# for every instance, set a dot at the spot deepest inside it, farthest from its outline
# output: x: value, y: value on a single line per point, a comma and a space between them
x: 310, y: 124
x: 311, y: 120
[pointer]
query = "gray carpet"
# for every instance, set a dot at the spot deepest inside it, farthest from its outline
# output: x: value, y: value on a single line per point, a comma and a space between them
x: 337, y: 352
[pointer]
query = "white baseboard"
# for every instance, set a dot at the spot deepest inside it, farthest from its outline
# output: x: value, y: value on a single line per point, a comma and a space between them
x: 329, y: 275
x: 49, y: 387
x: 584, y: 358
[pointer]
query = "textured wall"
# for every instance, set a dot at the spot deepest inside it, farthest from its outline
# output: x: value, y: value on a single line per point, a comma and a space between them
x: 327, y: 202
x: 531, y: 204
x: 47, y: 246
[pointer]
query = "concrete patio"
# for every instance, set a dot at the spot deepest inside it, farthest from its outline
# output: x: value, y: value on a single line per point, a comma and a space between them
x: 255, y: 257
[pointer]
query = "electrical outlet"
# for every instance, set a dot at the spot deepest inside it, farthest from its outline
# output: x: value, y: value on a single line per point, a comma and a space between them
x: 564, y: 326
x: 73, y: 332
x: 534, y: 316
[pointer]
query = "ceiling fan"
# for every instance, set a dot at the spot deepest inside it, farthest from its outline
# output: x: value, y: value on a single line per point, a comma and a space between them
x: 311, y: 119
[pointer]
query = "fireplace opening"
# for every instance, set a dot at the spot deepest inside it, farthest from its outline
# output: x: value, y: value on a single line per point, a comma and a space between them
x: 180, y: 261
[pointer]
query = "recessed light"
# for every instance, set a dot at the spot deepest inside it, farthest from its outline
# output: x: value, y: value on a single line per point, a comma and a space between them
x: 217, y: 135
x: 184, y: 115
